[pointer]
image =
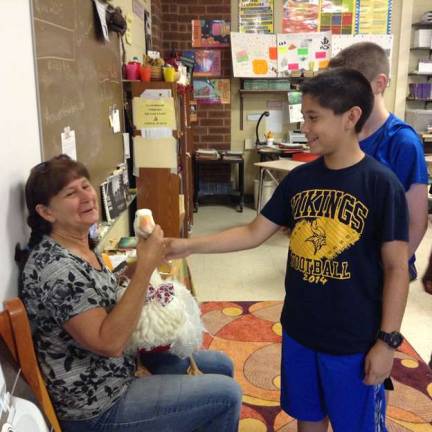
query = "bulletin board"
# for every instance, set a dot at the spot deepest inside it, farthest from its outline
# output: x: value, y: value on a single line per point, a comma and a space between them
x: 254, y: 55
x: 79, y: 81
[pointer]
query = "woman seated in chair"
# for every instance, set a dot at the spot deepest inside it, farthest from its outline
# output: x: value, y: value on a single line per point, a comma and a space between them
x: 80, y: 331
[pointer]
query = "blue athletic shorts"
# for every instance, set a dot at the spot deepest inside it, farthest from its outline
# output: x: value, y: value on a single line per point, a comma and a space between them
x: 316, y: 385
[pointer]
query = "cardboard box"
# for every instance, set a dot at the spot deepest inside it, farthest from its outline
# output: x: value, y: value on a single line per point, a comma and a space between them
x: 425, y: 66
x: 422, y: 38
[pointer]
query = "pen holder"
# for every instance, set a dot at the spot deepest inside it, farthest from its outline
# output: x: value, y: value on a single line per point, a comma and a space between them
x: 145, y: 73
x: 133, y: 70
x: 169, y: 74
x: 156, y: 73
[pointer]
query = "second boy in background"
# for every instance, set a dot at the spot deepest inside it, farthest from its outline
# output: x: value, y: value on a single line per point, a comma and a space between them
x: 390, y: 140
x: 347, y: 272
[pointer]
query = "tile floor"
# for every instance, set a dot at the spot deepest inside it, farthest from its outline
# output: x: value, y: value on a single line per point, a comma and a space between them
x: 258, y: 274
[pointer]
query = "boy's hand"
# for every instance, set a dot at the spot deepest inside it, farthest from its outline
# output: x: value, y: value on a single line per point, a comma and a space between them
x: 427, y: 278
x: 378, y: 363
x: 176, y: 248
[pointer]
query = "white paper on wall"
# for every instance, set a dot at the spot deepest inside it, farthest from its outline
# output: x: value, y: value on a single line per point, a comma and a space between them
x: 385, y: 41
x: 254, y: 55
x: 303, y: 51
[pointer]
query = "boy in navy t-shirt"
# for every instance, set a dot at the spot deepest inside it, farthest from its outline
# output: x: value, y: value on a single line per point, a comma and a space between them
x: 347, y: 274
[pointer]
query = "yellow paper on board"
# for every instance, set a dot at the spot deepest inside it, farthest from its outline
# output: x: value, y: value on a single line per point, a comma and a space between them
x: 149, y: 113
x: 155, y: 153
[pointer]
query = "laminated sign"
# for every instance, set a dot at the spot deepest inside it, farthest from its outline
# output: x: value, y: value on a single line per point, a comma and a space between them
x: 149, y: 113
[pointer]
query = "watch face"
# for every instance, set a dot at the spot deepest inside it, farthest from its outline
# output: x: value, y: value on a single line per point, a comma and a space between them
x: 395, y: 339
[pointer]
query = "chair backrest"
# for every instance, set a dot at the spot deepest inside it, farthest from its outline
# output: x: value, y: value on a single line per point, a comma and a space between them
x: 15, y: 331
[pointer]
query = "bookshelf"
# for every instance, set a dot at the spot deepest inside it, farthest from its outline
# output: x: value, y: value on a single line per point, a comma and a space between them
x: 419, y: 98
x: 272, y: 89
x: 168, y: 194
x: 110, y: 232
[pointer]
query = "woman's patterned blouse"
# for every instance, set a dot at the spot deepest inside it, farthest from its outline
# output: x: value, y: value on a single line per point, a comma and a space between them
x: 56, y: 286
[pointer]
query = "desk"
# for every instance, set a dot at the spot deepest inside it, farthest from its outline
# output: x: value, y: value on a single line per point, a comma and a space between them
x: 198, y: 163
x: 283, y: 165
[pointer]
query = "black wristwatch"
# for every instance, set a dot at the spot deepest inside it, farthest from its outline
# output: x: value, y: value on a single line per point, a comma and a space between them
x: 393, y: 339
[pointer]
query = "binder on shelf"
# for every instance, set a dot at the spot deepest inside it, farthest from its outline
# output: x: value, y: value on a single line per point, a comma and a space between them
x: 113, y: 195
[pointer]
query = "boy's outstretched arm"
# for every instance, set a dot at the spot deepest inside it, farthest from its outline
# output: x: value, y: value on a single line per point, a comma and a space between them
x: 379, y: 360
x: 234, y: 239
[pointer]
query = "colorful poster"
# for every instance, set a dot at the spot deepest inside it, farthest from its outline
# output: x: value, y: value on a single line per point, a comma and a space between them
x: 339, y: 42
x: 210, y: 33
x: 207, y: 63
x: 303, y: 52
x: 256, y: 16
x: 254, y: 55
x: 212, y: 91
x: 300, y: 16
x: 337, y: 16
x: 373, y: 16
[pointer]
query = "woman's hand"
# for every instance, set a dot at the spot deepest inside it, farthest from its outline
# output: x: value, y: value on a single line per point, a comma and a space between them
x: 151, y: 251
x: 176, y: 248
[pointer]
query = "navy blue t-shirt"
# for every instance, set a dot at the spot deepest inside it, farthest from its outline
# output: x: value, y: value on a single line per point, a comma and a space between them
x: 339, y: 221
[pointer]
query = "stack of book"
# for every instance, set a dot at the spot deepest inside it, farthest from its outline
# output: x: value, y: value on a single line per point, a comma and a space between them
x: 232, y: 154
x: 114, y: 194
x: 421, y: 91
x: 211, y: 154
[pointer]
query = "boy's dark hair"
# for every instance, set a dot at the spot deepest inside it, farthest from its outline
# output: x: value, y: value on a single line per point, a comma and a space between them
x: 340, y: 90
x: 366, y: 57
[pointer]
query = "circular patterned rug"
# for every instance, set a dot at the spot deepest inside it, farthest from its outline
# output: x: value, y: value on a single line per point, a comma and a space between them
x: 250, y: 333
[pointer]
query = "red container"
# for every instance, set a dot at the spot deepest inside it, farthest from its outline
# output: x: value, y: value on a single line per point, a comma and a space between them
x: 305, y: 156
x: 145, y: 73
x: 133, y: 70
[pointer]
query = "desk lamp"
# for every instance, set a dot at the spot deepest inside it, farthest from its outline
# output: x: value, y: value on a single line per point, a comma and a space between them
x: 257, y: 141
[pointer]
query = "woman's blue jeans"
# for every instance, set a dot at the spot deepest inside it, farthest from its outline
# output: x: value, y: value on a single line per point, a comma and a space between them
x: 171, y: 401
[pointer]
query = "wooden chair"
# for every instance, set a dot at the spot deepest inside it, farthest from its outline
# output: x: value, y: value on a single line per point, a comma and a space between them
x: 15, y: 331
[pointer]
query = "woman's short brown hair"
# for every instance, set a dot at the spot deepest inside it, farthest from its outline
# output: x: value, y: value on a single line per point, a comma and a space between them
x: 45, y: 181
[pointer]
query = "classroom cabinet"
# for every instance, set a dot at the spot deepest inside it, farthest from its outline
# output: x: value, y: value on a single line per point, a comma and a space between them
x: 168, y: 194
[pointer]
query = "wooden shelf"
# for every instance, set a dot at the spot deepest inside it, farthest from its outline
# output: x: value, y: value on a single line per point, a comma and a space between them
x: 421, y: 49
x: 423, y: 74
x: 418, y: 100
x: 421, y: 25
x: 264, y: 91
x: 106, y: 227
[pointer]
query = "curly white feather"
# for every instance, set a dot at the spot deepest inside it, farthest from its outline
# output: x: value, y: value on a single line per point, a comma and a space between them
x: 177, y: 324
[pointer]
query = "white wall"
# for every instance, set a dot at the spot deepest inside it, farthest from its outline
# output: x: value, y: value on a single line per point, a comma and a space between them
x: 19, y: 132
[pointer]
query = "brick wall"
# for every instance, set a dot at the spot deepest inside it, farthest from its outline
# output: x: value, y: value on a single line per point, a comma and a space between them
x: 213, y: 128
x: 157, y: 33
